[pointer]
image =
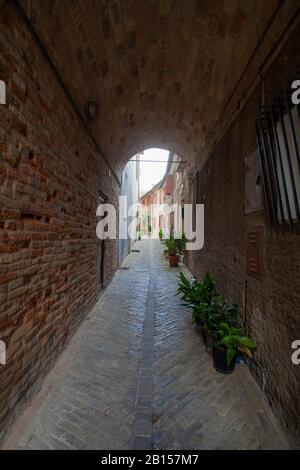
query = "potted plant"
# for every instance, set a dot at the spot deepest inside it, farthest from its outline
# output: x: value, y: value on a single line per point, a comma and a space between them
x: 197, y: 296
x: 213, y: 316
x: 181, y: 242
x: 172, y: 251
x: 185, y: 286
x: 207, y: 294
x: 189, y: 295
x: 230, y: 341
x: 161, y: 234
x: 217, y: 312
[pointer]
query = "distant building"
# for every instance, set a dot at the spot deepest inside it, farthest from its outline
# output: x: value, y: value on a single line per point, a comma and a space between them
x: 168, y: 191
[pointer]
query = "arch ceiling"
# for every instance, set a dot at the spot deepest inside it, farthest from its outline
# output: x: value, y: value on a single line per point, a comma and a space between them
x: 162, y: 71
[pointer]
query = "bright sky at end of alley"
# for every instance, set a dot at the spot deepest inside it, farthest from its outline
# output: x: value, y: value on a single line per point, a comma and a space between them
x: 151, y: 172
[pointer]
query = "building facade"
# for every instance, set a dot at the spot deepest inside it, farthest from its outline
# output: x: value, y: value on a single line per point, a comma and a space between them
x: 129, y: 196
x: 168, y: 194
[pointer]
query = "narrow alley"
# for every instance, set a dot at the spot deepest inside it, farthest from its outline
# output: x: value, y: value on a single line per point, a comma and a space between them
x: 130, y: 382
x: 142, y: 141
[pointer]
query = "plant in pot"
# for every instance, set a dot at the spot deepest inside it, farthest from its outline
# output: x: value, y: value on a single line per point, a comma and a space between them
x: 204, y: 291
x: 190, y: 296
x: 161, y: 234
x: 181, y: 243
x: 185, y: 287
x: 198, y: 297
x: 198, y: 317
x: 172, y: 251
x: 208, y: 298
x: 213, y: 316
x: 216, y: 312
x: 230, y: 342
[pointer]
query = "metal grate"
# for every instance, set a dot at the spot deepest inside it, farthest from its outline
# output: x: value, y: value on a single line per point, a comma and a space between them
x: 278, y: 138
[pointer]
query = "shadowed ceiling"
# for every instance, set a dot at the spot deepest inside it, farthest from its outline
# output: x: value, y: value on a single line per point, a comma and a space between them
x: 163, y: 71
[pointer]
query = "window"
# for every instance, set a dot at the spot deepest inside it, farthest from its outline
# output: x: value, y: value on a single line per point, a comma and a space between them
x: 278, y: 136
x: 288, y: 200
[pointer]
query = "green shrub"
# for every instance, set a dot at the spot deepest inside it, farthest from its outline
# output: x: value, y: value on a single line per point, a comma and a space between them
x: 233, y: 340
x: 207, y: 304
x: 217, y: 312
x: 171, y: 246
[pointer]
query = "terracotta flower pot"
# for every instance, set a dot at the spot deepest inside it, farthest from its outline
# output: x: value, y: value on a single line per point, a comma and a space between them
x: 173, y: 260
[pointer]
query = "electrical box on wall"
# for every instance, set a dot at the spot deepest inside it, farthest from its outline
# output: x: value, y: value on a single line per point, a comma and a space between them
x: 254, y: 252
x: 253, y: 182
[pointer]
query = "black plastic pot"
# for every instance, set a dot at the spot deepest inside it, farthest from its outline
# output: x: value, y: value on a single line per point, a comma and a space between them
x: 220, y: 362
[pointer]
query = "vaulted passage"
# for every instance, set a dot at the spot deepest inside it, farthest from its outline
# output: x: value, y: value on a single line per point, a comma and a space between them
x: 85, y: 85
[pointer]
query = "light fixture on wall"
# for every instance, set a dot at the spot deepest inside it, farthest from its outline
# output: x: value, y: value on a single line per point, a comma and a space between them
x: 91, y: 110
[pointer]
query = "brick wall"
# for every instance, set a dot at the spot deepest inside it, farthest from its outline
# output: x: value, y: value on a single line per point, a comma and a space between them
x: 50, y: 176
x: 270, y: 307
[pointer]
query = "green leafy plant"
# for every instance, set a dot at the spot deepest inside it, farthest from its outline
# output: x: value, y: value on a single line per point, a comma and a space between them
x: 190, y: 294
x: 161, y: 233
x: 218, y: 311
x: 207, y: 304
x: 203, y: 293
x: 232, y: 339
x: 180, y: 243
x: 198, y: 295
x: 213, y: 314
x: 171, y: 246
x: 185, y: 285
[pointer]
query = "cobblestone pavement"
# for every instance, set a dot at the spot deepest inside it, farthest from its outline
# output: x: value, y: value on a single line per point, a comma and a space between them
x: 127, y: 383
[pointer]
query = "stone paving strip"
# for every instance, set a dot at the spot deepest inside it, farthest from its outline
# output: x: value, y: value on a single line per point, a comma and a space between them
x: 136, y: 376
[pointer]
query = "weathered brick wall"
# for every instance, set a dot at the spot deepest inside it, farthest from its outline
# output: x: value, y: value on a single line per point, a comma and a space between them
x: 270, y: 307
x: 50, y: 176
